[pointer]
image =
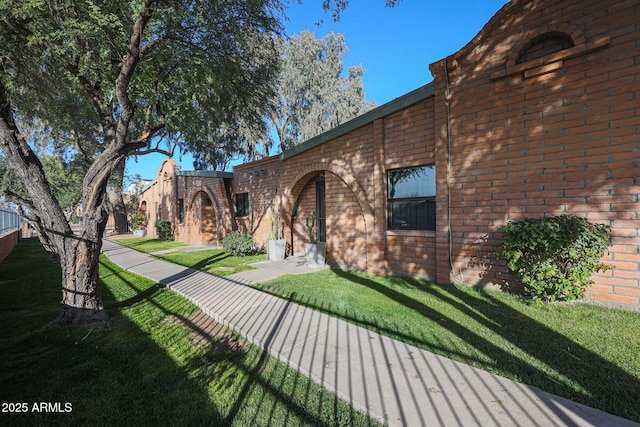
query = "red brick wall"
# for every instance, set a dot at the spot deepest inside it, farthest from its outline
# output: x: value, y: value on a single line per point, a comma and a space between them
x: 552, y: 135
x: 408, y: 141
x: 408, y: 136
x: 346, y: 238
x: 259, y: 179
x: 348, y: 164
x: 200, y: 225
x: 529, y: 143
x: 8, y: 242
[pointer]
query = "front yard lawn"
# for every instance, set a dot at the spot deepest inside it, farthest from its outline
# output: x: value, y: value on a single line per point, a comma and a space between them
x: 583, y: 352
x: 214, y: 261
x: 148, y: 244
x: 161, y: 362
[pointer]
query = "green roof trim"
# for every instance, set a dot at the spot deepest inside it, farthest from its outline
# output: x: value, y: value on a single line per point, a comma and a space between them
x: 390, y: 107
x: 206, y: 174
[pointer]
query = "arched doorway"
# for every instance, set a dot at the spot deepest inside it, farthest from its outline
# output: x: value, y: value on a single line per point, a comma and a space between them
x: 339, y: 219
x: 143, y: 208
x: 201, y: 221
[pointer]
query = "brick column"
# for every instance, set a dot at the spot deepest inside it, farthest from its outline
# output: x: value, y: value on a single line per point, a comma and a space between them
x: 443, y: 270
x: 376, y: 240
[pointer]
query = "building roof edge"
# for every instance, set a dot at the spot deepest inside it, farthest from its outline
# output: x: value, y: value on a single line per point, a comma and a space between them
x: 390, y: 107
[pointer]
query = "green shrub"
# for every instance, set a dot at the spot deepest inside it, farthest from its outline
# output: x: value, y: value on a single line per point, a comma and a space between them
x: 164, y: 229
x: 138, y: 221
x: 240, y: 244
x: 554, y: 257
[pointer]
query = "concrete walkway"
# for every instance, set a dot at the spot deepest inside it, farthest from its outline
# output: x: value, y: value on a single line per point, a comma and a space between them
x: 399, y: 384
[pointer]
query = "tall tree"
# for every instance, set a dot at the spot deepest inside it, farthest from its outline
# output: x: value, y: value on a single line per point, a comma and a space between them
x: 109, y: 78
x: 313, y: 96
x: 121, y: 76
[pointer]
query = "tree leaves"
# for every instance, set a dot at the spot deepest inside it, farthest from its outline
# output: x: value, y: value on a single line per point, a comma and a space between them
x: 555, y: 256
x: 313, y: 97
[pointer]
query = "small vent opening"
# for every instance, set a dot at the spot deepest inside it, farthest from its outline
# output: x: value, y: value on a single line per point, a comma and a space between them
x: 543, y: 45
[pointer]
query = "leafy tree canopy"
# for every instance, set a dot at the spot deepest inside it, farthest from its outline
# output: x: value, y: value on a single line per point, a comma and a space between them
x: 111, y: 78
x: 197, y: 59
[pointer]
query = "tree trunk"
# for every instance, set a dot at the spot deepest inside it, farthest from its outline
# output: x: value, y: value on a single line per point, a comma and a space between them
x: 118, y: 207
x: 81, y: 297
x: 79, y: 255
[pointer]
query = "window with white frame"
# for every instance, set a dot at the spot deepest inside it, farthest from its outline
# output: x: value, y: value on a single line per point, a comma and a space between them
x: 411, y: 198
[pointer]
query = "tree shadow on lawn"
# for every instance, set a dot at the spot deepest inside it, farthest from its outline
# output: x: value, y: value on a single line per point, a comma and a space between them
x: 143, y: 372
x: 130, y: 243
x: 200, y: 265
x: 605, y: 385
x: 263, y: 392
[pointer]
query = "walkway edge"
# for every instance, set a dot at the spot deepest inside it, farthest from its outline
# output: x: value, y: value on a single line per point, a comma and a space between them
x: 389, y: 380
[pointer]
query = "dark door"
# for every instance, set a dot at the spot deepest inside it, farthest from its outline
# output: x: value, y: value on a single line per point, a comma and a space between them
x: 321, y: 213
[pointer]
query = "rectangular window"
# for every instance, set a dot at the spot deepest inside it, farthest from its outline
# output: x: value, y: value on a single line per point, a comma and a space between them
x: 412, y: 198
x: 181, y: 211
x: 242, y: 204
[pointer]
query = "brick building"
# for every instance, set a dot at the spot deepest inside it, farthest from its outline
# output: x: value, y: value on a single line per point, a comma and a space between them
x: 538, y: 115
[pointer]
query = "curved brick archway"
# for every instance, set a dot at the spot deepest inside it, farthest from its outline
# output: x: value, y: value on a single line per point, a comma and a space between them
x: 201, y: 221
x: 293, y: 184
x: 143, y: 208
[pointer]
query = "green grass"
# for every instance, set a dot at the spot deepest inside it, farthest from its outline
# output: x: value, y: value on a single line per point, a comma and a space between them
x: 146, y: 369
x: 586, y: 353
x: 214, y: 261
x: 148, y: 244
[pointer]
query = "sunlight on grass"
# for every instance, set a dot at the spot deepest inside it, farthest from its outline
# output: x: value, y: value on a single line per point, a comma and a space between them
x: 148, y: 244
x: 586, y: 353
x: 147, y: 369
x: 214, y: 261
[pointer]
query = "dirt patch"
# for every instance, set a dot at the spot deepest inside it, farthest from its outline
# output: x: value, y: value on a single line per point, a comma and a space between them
x: 204, y: 330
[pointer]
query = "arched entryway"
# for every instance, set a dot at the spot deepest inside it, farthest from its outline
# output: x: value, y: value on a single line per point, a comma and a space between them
x: 143, y: 208
x: 201, y: 219
x: 339, y: 219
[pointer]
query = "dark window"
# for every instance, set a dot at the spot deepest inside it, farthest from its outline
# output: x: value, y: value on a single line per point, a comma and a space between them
x: 181, y: 211
x: 242, y: 204
x: 412, y: 198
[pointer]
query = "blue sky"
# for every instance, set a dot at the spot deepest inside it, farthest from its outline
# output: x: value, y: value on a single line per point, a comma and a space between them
x: 394, y: 45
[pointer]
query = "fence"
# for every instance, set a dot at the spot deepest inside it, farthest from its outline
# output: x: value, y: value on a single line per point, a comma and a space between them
x: 9, y: 221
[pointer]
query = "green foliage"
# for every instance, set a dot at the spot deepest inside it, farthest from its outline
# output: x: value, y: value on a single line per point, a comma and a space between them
x: 554, y: 257
x: 310, y: 224
x: 313, y: 96
x: 164, y: 230
x: 65, y: 180
x: 138, y: 221
x: 240, y: 244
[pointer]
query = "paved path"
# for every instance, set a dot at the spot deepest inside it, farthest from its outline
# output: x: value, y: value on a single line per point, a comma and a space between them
x: 394, y: 382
